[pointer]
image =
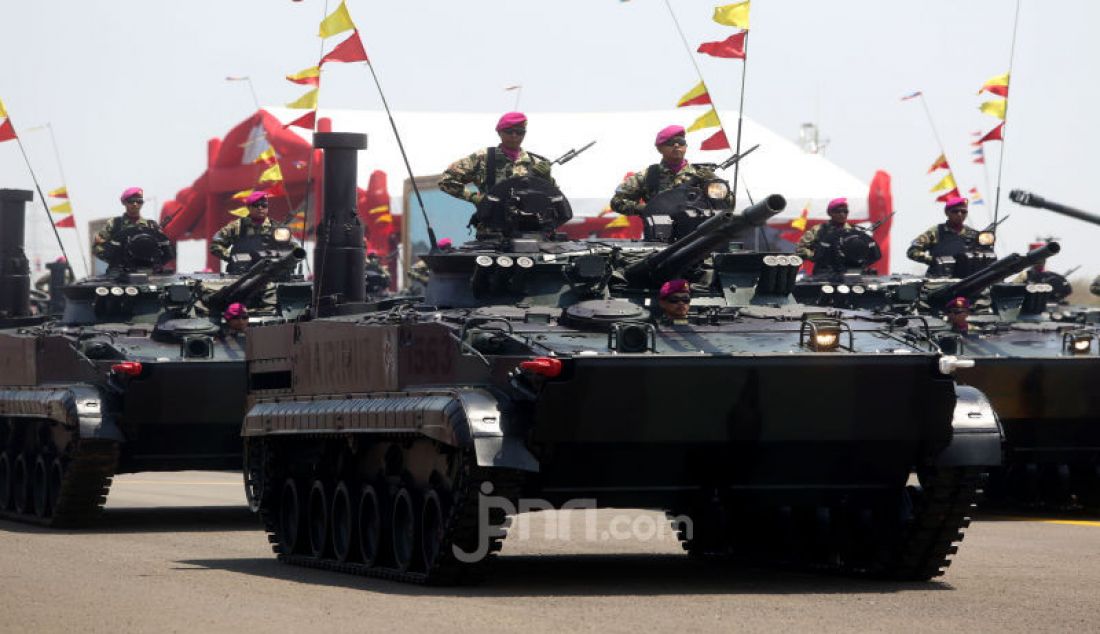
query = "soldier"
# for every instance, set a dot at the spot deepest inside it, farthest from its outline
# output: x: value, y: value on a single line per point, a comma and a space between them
x: 418, y: 273
x: 674, y: 299
x: 673, y: 170
x: 955, y: 208
x: 377, y: 277
x: 1094, y: 288
x: 132, y: 200
x: 957, y: 311
x: 808, y: 245
x: 236, y: 320
x: 256, y: 222
x: 486, y: 167
x: 1038, y: 274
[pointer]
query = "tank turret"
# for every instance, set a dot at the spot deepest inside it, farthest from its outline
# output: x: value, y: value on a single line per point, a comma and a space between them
x: 977, y: 283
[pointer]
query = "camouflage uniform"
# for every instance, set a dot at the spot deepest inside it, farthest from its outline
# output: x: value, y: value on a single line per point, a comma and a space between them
x: 1094, y: 288
x: 921, y: 249
x: 227, y: 236
x: 808, y: 242
x: 633, y: 189
x: 115, y: 225
x: 472, y: 169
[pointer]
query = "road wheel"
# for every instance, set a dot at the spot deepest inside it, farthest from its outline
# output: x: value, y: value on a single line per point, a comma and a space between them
x: 370, y: 525
x: 40, y: 487
x: 433, y: 524
x: 20, y: 485
x: 343, y: 523
x: 318, y: 519
x: 5, y: 481
x: 290, y: 518
x: 403, y: 532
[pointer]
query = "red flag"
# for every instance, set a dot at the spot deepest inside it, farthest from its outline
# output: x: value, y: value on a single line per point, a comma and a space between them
x: 67, y: 221
x: 996, y: 134
x: 350, y: 50
x: 717, y: 141
x: 307, y: 121
x: 940, y: 163
x: 980, y: 160
x: 276, y: 190
x: 7, y: 132
x: 944, y: 196
x: 732, y: 47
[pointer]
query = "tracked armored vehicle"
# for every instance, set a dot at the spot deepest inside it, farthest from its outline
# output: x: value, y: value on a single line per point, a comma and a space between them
x: 135, y: 375
x: 392, y: 439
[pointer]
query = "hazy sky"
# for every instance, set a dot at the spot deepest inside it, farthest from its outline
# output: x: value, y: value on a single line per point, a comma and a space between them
x: 133, y: 88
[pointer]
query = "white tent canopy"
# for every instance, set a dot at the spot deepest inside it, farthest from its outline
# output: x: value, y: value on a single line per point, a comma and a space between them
x: 624, y: 143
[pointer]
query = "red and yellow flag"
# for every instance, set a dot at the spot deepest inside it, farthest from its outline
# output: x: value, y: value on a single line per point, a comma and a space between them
x: 804, y: 219
x: 240, y: 212
x: 272, y: 174
x: 244, y: 193
x: 733, y: 47
x: 60, y: 192
x: 63, y: 208
x: 996, y: 134
x: 306, y: 121
x: 266, y: 157
x: 66, y: 222
x: 7, y: 132
x: 716, y: 141
x: 708, y: 120
x: 996, y: 85
x: 736, y: 14
x: 939, y: 164
x: 697, y: 96
x: 310, y: 76
x: 336, y: 22
x: 3, y: 113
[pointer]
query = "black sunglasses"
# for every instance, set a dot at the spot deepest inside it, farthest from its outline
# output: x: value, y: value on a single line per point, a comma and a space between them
x: 678, y: 299
x: 676, y: 142
x: 259, y: 203
x: 958, y: 210
x: 519, y: 131
x: 135, y: 201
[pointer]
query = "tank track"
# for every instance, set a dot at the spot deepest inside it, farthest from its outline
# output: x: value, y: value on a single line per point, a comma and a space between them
x: 911, y: 539
x: 75, y: 499
x: 461, y: 526
x: 1050, y: 487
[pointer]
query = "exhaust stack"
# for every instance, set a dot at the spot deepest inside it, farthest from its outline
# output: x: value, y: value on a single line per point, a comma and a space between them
x: 15, y: 272
x: 339, y: 258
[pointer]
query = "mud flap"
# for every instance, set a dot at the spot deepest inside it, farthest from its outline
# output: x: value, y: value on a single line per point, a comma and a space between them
x: 79, y: 406
x: 977, y: 437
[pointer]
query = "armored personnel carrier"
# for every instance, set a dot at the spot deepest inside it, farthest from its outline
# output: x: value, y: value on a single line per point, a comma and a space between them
x: 135, y: 375
x: 392, y: 439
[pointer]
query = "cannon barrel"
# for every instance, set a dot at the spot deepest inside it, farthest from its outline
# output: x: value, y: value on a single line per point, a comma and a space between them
x: 693, y: 248
x: 1009, y: 265
x: 255, y: 280
x: 1028, y: 199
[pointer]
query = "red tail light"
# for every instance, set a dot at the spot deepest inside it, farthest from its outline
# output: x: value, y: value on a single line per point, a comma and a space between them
x: 129, y: 368
x: 548, y: 367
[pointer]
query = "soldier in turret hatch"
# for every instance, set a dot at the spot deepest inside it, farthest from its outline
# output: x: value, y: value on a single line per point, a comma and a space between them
x: 673, y: 170
x: 674, y: 298
x: 809, y: 245
x: 1038, y: 274
x: 923, y: 247
x: 132, y: 200
x: 489, y: 166
x: 235, y: 320
x: 956, y: 313
x: 256, y: 223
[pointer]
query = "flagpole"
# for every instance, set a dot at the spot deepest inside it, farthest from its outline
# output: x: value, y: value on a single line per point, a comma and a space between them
x: 65, y: 182
x: 45, y: 206
x: 1004, y: 123
x: 740, y: 116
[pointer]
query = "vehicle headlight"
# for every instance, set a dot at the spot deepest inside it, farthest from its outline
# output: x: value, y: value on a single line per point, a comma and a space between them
x: 718, y: 190
x: 282, y: 234
x: 843, y: 289
x: 826, y: 339
x: 1082, y: 345
x: 987, y: 238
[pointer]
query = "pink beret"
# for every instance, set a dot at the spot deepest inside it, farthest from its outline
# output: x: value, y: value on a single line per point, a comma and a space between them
x: 836, y: 202
x: 254, y: 196
x: 235, y: 309
x: 672, y: 287
x: 669, y: 132
x: 130, y: 192
x: 445, y: 243
x: 958, y: 302
x: 511, y: 119
x: 954, y: 201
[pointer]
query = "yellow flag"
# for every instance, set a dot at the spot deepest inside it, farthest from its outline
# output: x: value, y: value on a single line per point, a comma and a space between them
x: 60, y: 192
x: 736, y: 14
x: 995, y: 107
x: 272, y: 174
x: 3, y: 113
x: 997, y: 85
x: 618, y: 223
x: 239, y: 212
x: 803, y: 220
x: 241, y: 195
x: 63, y: 208
x: 337, y: 22
x: 708, y: 120
x: 947, y: 183
x: 266, y: 156
x: 696, y: 96
x: 307, y: 101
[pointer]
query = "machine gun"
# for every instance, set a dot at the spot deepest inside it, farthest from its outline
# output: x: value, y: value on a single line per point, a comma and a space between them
x: 976, y: 283
x: 252, y: 283
x: 1028, y: 199
x: 731, y: 161
x: 570, y: 155
x: 694, y: 247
